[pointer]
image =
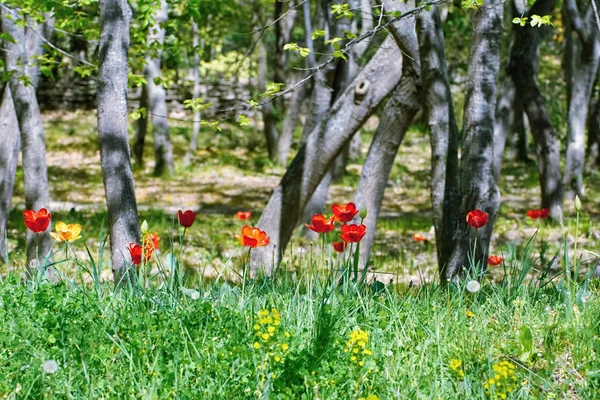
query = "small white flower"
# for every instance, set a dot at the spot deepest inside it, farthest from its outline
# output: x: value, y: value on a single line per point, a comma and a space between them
x: 50, y: 366
x: 473, y: 286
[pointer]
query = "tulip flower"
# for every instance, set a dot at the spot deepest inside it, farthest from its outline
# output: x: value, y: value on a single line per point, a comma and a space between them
x: 353, y: 233
x: 339, y: 246
x: 344, y: 212
x: 37, y: 222
x: 477, y: 219
x: 152, y: 241
x: 535, y: 214
x: 419, y: 238
x: 252, y: 237
x: 66, y: 233
x: 186, y: 219
x: 320, y: 224
x: 136, y: 252
x: 495, y: 260
x: 243, y: 215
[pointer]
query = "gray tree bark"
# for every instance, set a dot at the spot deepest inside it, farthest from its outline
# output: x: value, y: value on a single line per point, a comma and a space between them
x: 585, y: 66
x: 478, y: 188
x: 396, y: 118
x: 289, y: 124
x: 443, y: 133
x: 350, y: 111
x: 195, y: 94
x: 115, y: 17
x: 35, y: 170
x: 269, y: 122
x: 157, y: 97
x: 141, y: 132
x: 10, y: 144
x: 523, y: 71
x: 594, y: 134
x: 506, y: 114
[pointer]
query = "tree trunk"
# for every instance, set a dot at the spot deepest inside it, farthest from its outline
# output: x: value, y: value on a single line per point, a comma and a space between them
x: 478, y: 188
x: 157, y: 97
x: 585, y: 66
x: 289, y: 124
x: 396, y: 118
x: 115, y: 17
x: 283, y: 33
x: 594, y: 134
x: 195, y: 94
x: 271, y: 134
x: 35, y: 170
x: 142, y: 128
x: 350, y: 111
x: 10, y: 143
x: 522, y: 69
x: 439, y: 110
x: 506, y: 114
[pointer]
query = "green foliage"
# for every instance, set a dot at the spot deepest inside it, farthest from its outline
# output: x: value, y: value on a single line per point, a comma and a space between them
x: 304, y: 51
x: 272, y: 89
x: 341, y: 11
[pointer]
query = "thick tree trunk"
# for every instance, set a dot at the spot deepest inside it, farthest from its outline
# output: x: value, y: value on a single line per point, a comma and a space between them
x: 10, y: 144
x: 195, y: 94
x: 350, y: 111
x: 443, y: 133
x: 522, y: 69
x: 115, y: 17
x: 478, y: 188
x: 157, y: 98
x: 586, y: 57
x: 270, y: 130
x: 396, y: 118
x: 35, y: 170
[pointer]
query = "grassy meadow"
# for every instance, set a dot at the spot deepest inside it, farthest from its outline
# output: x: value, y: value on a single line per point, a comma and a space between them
x: 526, y: 329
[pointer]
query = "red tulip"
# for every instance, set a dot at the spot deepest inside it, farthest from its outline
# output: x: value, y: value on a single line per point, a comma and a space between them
x: 320, y: 224
x: 419, y: 238
x: 186, y: 219
x: 136, y: 252
x: 495, y: 260
x: 339, y: 246
x: 344, y: 212
x: 353, y: 233
x: 252, y: 237
x: 477, y: 218
x: 242, y: 215
x: 535, y: 214
x: 37, y: 222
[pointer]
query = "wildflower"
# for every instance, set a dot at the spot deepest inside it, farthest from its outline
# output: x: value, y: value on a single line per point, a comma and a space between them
x: 136, y: 252
x: 252, y: 237
x: 477, y: 218
x: 344, y: 212
x: 186, y: 219
x: 37, y: 222
x: 535, y: 214
x: 67, y: 233
x: 473, y: 286
x: 503, y: 380
x: 495, y: 260
x: 456, y: 367
x: 152, y: 240
x: 285, y: 347
x: 353, y: 233
x: 256, y: 345
x: 339, y: 246
x: 470, y: 314
x: 419, y: 238
x: 50, y: 367
x: 243, y: 215
x: 320, y: 224
x: 369, y: 397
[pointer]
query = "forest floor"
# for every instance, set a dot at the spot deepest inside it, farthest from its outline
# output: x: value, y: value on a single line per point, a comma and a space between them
x: 230, y: 172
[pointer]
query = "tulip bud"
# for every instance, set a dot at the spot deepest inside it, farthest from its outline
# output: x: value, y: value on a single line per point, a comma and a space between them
x: 577, y: 203
x: 363, y: 213
x: 144, y: 227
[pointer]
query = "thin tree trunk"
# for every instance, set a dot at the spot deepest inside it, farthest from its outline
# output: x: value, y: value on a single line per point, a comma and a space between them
x: 506, y: 114
x: 522, y: 69
x: 443, y: 133
x: 270, y: 130
x: 35, y: 170
x: 583, y: 74
x: 376, y: 81
x: 157, y: 98
x: 396, y: 118
x: 594, y: 134
x: 10, y: 144
x: 142, y: 128
x: 478, y: 188
x: 289, y: 124
x: 283, y: 33
x: 115, y: 17
x: 195, y: 94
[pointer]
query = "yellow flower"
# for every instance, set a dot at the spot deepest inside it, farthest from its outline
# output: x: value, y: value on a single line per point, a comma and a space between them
x: 67, y: 233
x: 470, y: 314
x: 285, y: 346
x: 256, y: 345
